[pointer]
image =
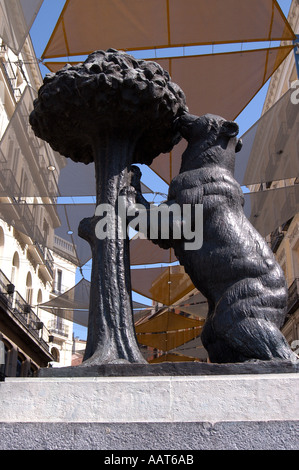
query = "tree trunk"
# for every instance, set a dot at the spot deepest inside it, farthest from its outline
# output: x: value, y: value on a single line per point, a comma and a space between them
x: 111, y: 334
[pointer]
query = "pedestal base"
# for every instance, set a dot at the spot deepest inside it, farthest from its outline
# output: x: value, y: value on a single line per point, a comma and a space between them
x: 188, y: 437
x: 244, y: 411
x: 172, y: 369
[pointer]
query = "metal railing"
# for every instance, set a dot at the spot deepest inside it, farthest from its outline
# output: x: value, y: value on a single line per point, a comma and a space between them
x: 23, y: 312
x: 9, y: 182
x: 26, y: 216
x: 63, y: 245
x: 11, y: 77
x: 49, y: 261
x: 276, y: 239
x: 57, y: 326
x: 293, y: 300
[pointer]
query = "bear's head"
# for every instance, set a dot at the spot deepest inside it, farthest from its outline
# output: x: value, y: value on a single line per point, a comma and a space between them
x: 212, y: 140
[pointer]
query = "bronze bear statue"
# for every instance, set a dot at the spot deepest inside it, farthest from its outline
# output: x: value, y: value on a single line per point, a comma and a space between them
x: 234, y: 268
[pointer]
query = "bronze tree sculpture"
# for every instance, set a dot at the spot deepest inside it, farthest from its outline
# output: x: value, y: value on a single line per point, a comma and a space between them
x: 112, y: 110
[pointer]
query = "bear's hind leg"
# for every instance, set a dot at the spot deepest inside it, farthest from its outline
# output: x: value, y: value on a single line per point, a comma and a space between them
x: 252, y: 338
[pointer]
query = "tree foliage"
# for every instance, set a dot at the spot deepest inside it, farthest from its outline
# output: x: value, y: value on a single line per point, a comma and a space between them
x: 110, y: 91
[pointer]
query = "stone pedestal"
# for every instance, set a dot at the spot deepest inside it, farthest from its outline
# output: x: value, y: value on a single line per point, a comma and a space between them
x: 192, y: 412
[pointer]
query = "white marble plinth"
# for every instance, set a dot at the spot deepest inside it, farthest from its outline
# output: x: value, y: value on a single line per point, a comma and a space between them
x: 134, y: 404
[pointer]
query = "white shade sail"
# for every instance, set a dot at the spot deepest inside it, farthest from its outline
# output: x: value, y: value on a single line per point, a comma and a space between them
x: 16, y: 19
x: 269, y: 209
x: 242, y: 75
x: 216, y: 83
x: 73, y: 304
x: 141, y: 24
x: 271, y: 146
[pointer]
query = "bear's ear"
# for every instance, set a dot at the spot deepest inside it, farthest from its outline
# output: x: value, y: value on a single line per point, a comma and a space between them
x: 239, y: 145
x: 229, y: 128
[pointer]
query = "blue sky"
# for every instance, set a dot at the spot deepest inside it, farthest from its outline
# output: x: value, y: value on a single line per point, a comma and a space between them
x: 40, y: 34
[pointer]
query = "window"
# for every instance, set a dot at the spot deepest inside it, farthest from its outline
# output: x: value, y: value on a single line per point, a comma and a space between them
x: 15, y: 158
x: 2, y: 93
x: 2, y: 241
x: 29, y: 289
x: 15, y: 268
x: 39, y: 297
x: 20, y: 361
x: 45, y: 230
x: 8, y: 351
x: 32, y: 370
x: 295, y: 259
x: 55, y: 354
x: 59, y: 280
x: 24, y: 183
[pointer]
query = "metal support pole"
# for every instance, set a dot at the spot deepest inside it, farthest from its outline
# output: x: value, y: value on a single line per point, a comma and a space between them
x: 296, y: 53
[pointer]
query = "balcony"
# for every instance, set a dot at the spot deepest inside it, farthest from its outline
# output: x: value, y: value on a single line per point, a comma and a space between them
x: 65, y: 248
x: 22, y: 315
x: 276, y: 239
x: 47, y: 266
x: 49, y: 261
x: 26, y: 217
x: 3, y: 50
x: 293, y: 300
x: 9, y: 184
x: 58, y: 328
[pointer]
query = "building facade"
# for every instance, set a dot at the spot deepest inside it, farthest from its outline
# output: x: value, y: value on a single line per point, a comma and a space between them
x: 35, y: 264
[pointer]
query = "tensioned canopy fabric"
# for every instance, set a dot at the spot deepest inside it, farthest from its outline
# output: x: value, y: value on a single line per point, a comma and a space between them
x: 269, y: 209
x: 79, y: 180
x: 165, y: 284
x: 220, y: 84
x: 172, y: 357
x: 75, y: 298
x: 78, y: 298
x: 16, y: 19
x: 193, y: 348
x: 167, y: 331
x: 270, y: 146
x: 266, y: 210
x: 143, y: 251
x: 216, y: 83
x: 73, y: 304
x: 21, y: 149
x: 167, y: 321
x: 80, y: 316
x: 270, y: 152
x: 84, y: 27
x: 196, y: 305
